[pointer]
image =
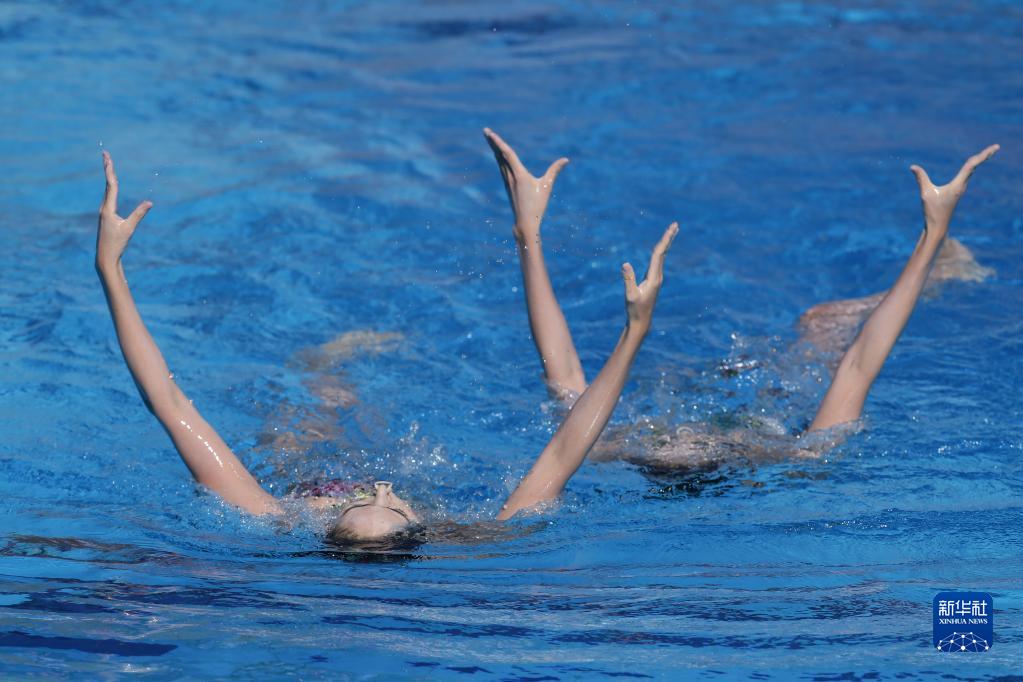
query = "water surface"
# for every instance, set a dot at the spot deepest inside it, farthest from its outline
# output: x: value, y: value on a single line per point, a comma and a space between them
x: 318, y: 169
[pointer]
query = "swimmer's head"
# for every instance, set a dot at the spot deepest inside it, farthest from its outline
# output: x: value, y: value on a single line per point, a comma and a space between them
x: 373, y: 519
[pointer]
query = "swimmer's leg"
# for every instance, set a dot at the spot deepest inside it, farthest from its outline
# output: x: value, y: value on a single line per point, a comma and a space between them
x: 287, y: 429
x: 863, y: 360
x: 830, y: 326
x: 333, y: 354
x: 955, y: 262
x: 528, y: 197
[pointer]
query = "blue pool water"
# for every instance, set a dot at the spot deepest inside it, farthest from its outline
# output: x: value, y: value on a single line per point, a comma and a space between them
x: 318, y: 169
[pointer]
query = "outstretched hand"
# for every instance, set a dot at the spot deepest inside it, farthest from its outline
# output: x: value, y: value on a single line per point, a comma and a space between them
x: 528, y: 195
x: 640, y: 298
x: 114, y: 231
x: 940, y: 202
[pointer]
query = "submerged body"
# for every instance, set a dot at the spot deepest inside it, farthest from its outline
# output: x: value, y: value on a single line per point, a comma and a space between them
x: 826, y: 328
x: 381, y: 513
x: 830, y: 327
x: 369, y: 515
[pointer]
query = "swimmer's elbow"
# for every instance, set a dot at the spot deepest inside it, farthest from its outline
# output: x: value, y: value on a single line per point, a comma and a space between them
x: 146, y: 401
x: 177, y: 397
x: 854, y: 366
x: 168, y: 404
x: 152, y: 403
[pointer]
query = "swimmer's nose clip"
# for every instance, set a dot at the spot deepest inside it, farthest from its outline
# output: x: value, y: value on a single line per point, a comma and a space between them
x: 382, y: 488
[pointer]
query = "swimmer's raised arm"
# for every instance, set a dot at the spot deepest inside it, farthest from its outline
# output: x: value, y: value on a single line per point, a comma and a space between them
x: 528, y: 197
x: 208, y: 457
x: 590, y: 414
x: 863, y: 360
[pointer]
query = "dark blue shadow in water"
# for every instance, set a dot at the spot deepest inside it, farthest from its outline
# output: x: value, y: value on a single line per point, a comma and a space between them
x: 91, y: 646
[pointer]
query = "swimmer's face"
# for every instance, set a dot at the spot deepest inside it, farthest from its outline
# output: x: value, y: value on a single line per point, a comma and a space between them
x: 374, y: 517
